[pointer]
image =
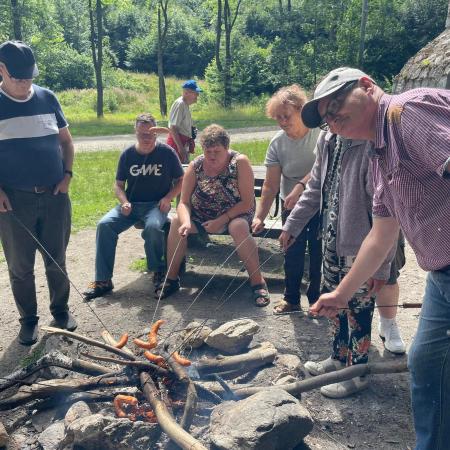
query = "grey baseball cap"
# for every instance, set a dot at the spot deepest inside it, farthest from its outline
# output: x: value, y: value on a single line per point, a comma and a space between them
x: 336, y: 79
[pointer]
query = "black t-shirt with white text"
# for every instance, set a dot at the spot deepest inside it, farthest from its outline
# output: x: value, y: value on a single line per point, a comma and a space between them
x: 148, y: 177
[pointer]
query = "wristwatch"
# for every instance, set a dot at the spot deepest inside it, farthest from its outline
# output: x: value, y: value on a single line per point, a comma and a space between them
x: 69, y: 172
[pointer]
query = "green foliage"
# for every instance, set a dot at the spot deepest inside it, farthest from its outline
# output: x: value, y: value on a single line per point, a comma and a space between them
x: 61, y: 67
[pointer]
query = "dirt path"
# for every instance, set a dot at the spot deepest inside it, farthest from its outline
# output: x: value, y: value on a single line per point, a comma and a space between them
x: 85, y: 144
x: 378, y: 418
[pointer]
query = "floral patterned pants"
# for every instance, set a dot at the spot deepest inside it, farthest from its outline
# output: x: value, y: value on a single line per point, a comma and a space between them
x: 351, y: 330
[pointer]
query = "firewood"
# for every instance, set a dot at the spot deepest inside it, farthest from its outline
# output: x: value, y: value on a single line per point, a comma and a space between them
x: 165, y: 419
x: 191, y: 393
x: 56, y: 359
x: 140, y: 364
x: 256, y: 357
x: 47, y: 388
x: 89, y: 341
x: 318, y: 381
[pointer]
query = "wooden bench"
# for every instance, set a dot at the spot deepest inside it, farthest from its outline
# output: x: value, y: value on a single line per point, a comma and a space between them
x: 272, y: 223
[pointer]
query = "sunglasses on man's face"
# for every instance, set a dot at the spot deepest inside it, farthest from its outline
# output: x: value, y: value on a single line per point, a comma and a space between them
x: 335, y: 104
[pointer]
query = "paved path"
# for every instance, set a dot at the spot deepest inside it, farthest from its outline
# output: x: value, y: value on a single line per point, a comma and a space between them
x: 119, y: 142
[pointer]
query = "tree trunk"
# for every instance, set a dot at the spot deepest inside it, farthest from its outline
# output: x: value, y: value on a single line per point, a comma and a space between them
x: 218, y: 36
x: 160, y: 62
x: 447, y: 22
x: 17, y: 20
x: 362, y: 33
x: 227, y: 66
x: 96, y: 36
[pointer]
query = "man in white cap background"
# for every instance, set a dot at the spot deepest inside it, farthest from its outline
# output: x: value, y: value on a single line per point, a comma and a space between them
x: 36, y: 157
x: 410, y: 133
x: 182, y: 131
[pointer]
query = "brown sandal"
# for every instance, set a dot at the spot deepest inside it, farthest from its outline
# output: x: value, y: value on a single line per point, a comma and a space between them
x: 284, y: 307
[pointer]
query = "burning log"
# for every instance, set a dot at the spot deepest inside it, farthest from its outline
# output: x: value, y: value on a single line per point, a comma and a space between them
x: 259, y: 356
x: 165, y: 419
x: 56, y: 359
x: 191, y: 393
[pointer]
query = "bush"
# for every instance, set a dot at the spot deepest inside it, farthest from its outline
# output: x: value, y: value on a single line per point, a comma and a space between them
x: 61, y: 67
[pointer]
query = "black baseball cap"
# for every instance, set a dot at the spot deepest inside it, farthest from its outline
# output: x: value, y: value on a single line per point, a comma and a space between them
x: 19, y: 60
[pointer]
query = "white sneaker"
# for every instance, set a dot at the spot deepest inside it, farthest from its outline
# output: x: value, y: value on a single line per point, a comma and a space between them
x: 390, y: 335
x: 325, y: 366
x: 345, y: 388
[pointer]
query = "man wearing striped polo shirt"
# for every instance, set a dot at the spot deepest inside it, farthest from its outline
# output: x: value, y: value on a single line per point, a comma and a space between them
x: 411, y: 166
x: 36, y: 156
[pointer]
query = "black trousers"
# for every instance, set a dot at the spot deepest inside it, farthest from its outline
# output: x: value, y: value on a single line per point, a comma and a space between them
x: 48, y: 217
x: 294, y: 262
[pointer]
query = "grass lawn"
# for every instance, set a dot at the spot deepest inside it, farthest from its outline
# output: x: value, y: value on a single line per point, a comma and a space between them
x: 91, y: 190
x: 131, y: 93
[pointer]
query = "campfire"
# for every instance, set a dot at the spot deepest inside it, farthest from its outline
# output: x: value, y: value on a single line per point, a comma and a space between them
x: 148, y: 386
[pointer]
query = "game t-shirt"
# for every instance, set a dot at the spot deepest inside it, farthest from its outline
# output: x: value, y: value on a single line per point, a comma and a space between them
x: 148, y: 177
x: 30, y: 152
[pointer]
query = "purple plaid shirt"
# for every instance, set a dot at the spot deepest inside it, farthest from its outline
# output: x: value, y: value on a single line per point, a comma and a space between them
x: 411, y: 153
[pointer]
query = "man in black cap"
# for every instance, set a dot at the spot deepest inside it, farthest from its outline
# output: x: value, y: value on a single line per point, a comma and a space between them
x: 36, y: 157
x: 182, y: 130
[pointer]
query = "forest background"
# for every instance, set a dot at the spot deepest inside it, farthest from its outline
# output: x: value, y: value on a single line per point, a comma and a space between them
x: 95, y: 53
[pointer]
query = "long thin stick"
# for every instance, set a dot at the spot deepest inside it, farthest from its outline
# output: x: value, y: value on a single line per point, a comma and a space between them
x: 86, y: 340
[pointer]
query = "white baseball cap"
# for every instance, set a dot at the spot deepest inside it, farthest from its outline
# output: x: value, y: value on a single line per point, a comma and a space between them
x: 334, y: 81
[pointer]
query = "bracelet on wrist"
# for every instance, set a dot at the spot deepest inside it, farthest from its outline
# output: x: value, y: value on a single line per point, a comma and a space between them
x: 69, y: 172
x: 303, y: 184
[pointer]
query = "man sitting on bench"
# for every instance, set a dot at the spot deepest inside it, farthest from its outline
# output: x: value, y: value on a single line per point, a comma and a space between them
x: 149, y: 176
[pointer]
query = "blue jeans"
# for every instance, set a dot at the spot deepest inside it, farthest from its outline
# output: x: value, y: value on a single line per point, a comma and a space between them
x: 114, y: 222
x: 429, y: 365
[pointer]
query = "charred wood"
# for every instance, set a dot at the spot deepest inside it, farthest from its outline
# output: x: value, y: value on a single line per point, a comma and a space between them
x: 165, y: 419
x: 56, y: 359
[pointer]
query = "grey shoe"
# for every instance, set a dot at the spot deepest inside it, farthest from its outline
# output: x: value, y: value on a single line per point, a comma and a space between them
x: 345, y: 388
x: 325, y: 366
x: 64, y: 320
x: 28, y: 334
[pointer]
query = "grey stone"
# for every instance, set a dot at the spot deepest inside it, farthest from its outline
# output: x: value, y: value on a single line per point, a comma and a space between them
x: 234, y: 336
x: 195, y: 334
x: 43, y: 419
x: 4, y: 436
x: 109, y: 433
x: 76, y: 411
x: 51, y: 437
x: 284, y: 378
x: 291, y: 363
x: 268, y: 420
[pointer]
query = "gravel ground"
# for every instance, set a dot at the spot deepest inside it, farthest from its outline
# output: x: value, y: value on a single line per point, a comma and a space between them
x: 378, y: 418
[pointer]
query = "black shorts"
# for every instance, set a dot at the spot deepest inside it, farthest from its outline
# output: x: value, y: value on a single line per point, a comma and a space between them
x: 398, y: 262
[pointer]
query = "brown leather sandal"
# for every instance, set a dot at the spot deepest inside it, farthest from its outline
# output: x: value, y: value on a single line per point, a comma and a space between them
x: 284, y: 307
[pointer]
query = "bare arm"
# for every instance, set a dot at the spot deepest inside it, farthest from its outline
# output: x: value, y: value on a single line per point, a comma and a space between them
x: 184, y: 207
x: 269, y: 190
x: 119, y: 190
x: 164, y: 203
x: 371, y: 255
x: 291, y: 200
x: 68, y: 151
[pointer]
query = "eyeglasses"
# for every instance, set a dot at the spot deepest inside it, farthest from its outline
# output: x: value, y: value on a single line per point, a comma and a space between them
x: 335, y: 104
